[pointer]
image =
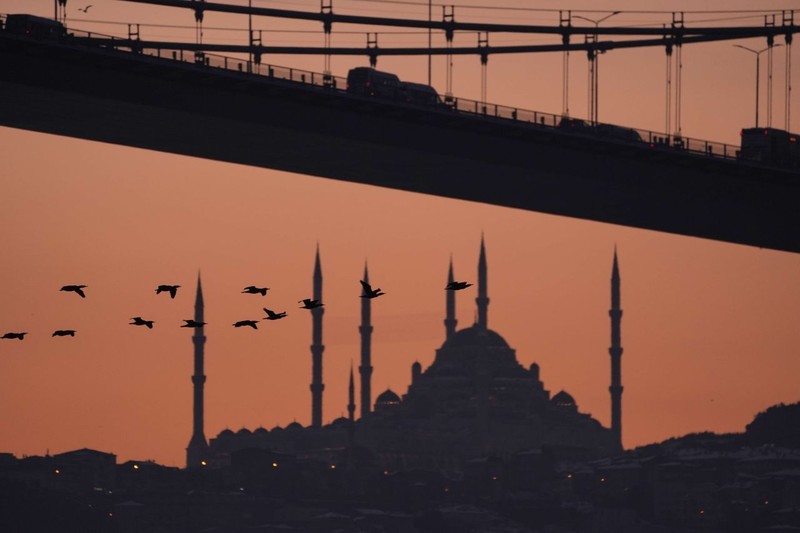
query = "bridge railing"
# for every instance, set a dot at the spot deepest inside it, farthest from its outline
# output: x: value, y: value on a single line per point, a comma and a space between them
x: 605, y: 132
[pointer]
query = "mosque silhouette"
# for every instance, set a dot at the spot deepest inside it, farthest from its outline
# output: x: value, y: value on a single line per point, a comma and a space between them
x: 474, y: 402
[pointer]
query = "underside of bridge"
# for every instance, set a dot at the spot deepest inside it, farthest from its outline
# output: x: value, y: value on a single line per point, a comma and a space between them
x: 138, y: 101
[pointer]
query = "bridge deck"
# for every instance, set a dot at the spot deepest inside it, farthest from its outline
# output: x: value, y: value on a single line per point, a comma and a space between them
x: 139, y: 101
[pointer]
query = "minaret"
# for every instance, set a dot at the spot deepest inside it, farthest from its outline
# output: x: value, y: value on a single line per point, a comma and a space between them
x: 351, y: 396
x: 482, y: 300
x: 316, y: 349
x: 450, y: 305
x: 198, y: 447
x: 365, y: 370
x: 616, y: 353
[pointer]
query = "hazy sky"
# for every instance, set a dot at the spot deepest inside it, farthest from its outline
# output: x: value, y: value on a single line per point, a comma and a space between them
x: 710, y: 330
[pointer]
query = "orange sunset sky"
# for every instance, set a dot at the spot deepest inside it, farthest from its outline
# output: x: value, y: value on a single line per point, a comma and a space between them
x: 710, y: 330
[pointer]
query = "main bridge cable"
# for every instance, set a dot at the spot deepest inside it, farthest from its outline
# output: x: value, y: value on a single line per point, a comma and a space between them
x: 601, y: 46
x: 741, y: 31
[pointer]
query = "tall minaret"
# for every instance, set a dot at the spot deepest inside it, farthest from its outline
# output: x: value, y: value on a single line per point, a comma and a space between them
x: 316, y: 349
x: 616, y: 353
x: 450, y: 318
x: 351, y: 397
x: 482, y: 300
x: 365, y: 370
x: 198, y: 447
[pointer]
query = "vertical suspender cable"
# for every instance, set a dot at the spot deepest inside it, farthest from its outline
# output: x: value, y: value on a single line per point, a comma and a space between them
x: 430, y: 40
x: 483, y: 44
x: 788, y: 81
x: 668, y: 113
x: 769, y: 20
x: 326, y: 9
x: 448, y: 17
x: 565, y: 23
x: 677, y: 27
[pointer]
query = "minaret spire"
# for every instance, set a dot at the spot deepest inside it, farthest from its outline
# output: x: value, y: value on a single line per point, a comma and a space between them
x: 483, y: 299
x: 365, y: 370
x: 450, y: 305
x: 351, y: 396
x: 317, y: 348
x: 616, y: 352
x: 198, y: 446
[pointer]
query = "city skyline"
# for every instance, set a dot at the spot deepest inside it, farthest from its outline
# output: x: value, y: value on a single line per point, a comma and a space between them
x: 709, y: 330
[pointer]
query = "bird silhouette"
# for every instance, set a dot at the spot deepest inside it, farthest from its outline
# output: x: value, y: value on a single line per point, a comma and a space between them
x: 139, y: 321
x: 308, y: 303
x: 457, y: 285
x: 368, y: 292
x: 251, y: 323
x: 63, y: 333
x: 19, y: 336
x: 85, y: 9
x: 252, y: 289
x: 193, y: 324
x: 272, y: 315
x: 171, y: 289
x: 74, y: 288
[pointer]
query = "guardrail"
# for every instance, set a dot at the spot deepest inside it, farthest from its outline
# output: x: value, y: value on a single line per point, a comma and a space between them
x: 607, y: 132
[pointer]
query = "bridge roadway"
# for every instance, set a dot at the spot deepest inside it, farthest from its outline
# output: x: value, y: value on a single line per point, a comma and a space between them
x: 140, y: 101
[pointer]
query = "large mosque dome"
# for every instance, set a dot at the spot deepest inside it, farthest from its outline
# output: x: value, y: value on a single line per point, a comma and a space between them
x: 475, y: 336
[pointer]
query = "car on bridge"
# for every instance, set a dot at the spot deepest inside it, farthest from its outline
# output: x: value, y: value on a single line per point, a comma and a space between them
x: 771, y: 146
x: 603, y: 130
x: 34, y: 26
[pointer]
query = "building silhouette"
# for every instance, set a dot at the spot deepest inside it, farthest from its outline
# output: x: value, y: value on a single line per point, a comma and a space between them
x: 474, y: 401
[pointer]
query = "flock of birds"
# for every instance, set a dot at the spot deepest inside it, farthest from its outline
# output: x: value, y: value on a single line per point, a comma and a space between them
x: 308, y: 303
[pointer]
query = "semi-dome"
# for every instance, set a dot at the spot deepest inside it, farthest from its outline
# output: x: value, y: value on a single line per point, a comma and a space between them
x: 225, y: 433
x: 244, y: 431
x: 475, y: 336
x: 261, y: 430
x: 387, y: 396
x: 563, y: 399
x: 295, y: 425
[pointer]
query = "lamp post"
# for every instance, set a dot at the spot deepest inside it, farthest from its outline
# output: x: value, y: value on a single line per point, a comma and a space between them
x: 593, y: 68
x: 758, y: 69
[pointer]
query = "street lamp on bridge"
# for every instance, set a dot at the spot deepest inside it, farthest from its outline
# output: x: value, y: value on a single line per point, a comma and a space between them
x: 593, y: 67
x: 758, y: 72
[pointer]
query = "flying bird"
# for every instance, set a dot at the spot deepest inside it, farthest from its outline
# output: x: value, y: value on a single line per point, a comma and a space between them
x: 308, y: 303
x: 85, y: 9
x: 171, y: 289
x: 457, y: 285
x: 74, y: 288
x: 139, y: 321
x: 272, y: 315
x: 251, y: 323
x: 193, y: 324
x: 368, y: 292
x: 63, y: 333
x: 19, y: 336
x: 256, y: 290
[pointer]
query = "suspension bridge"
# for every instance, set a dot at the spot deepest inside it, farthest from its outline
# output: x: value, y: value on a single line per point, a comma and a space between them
x: 188, y: 98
